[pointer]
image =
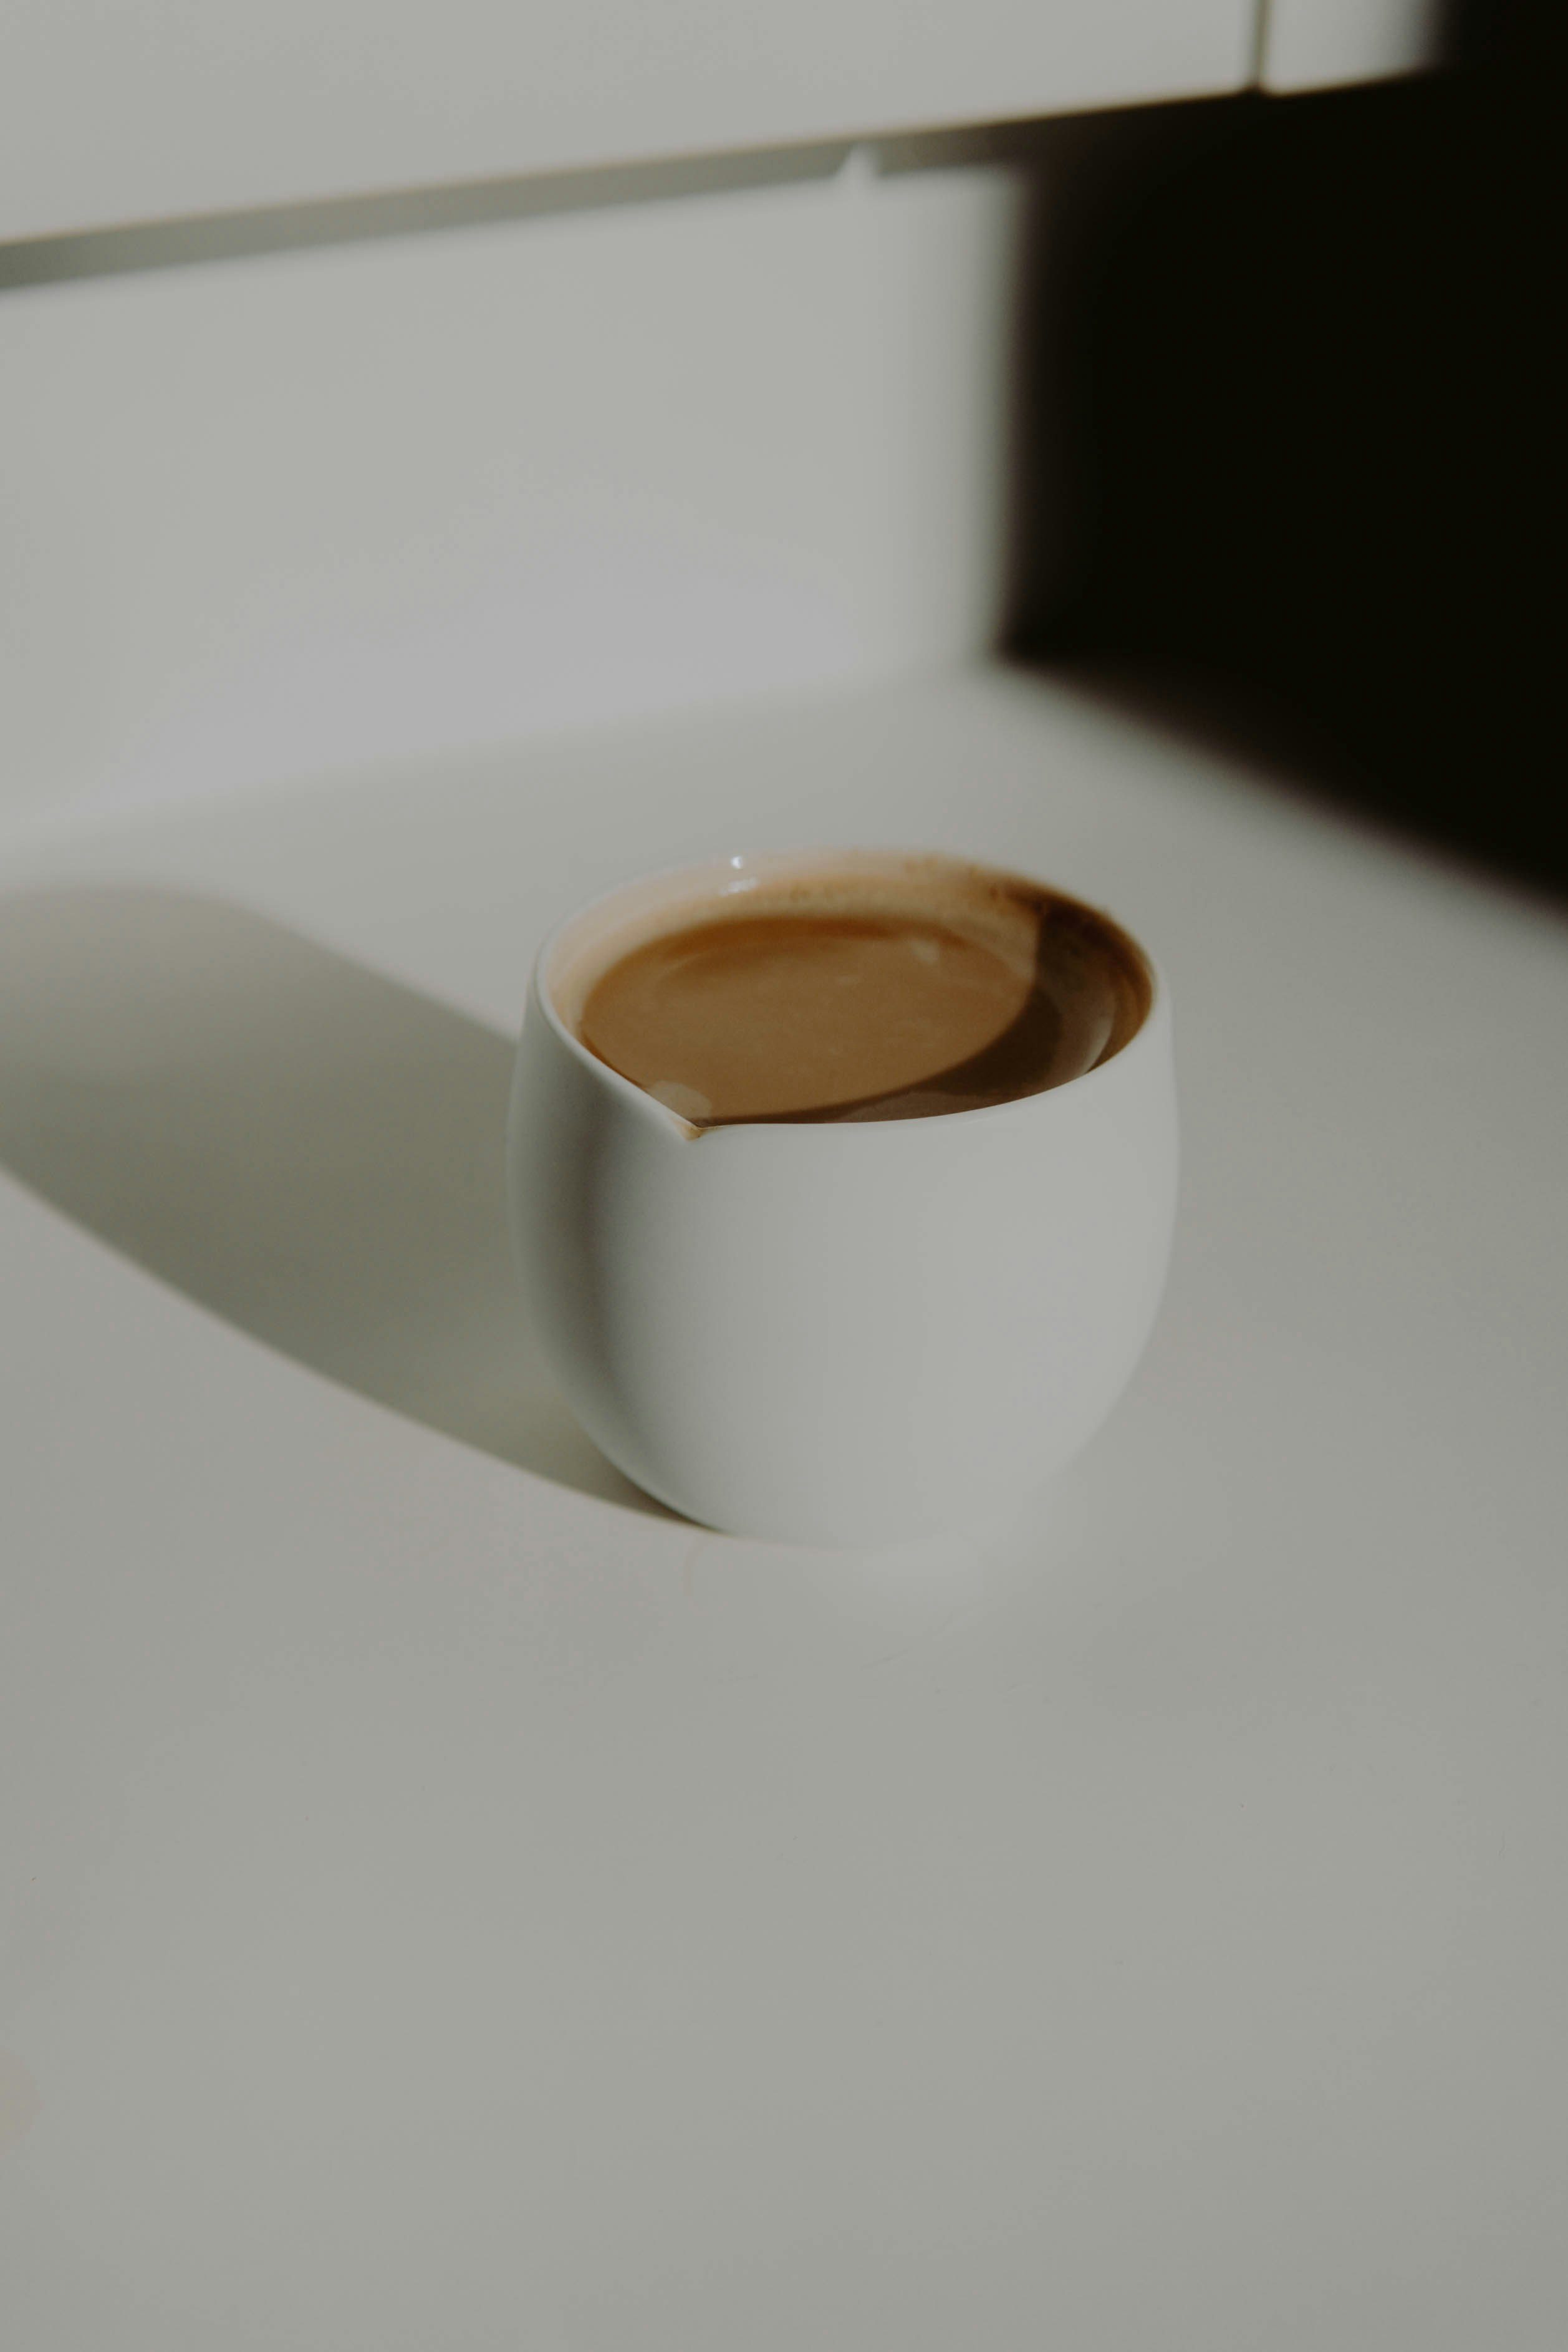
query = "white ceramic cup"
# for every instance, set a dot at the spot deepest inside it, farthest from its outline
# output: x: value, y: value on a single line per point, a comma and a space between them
x: 823, y: 1333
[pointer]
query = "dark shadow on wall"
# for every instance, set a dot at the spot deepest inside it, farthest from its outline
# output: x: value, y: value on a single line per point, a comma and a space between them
x: 1291, y: 418
x: 307, y: 1149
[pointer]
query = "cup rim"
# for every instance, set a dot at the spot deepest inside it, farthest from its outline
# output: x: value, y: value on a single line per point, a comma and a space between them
x: 741, y: 868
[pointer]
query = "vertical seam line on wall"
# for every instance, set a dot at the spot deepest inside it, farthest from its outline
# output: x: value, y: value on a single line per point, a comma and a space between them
x: 1260, y: 26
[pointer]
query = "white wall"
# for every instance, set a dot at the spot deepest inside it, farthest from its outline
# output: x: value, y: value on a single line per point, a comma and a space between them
x: 1312, y: 44
x: 269, y: 517
x: 145, y: 109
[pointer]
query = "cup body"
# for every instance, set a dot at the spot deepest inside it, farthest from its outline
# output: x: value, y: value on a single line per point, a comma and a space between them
x: 836, y: 1334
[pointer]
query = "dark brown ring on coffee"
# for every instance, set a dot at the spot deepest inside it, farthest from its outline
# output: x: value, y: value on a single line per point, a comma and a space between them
x: 998, y: 1071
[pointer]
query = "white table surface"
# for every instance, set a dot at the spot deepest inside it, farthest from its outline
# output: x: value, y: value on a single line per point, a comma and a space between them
x: 448, y: 1905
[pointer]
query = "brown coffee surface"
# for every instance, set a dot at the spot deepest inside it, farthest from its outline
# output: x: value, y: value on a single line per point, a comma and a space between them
x: 803, y: 1014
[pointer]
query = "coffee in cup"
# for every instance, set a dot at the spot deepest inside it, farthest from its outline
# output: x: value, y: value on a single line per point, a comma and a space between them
x: 930, y: 988
x: 841, y: 1185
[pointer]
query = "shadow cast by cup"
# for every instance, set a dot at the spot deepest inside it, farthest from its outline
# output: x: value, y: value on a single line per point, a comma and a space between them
x: 309, y: 1149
